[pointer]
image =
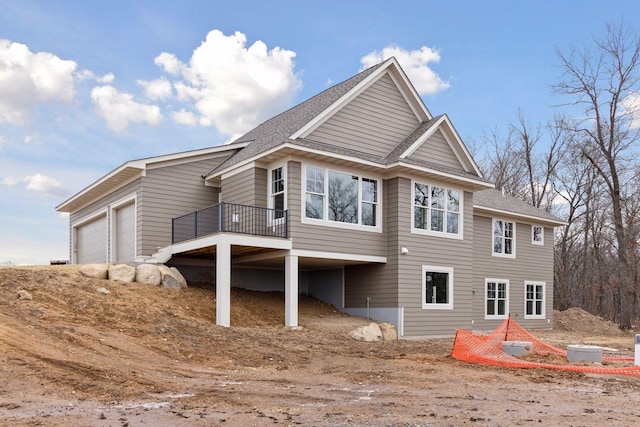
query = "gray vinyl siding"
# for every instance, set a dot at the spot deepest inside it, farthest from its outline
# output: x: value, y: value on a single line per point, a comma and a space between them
x: 439, y: 252
x: 532, y: 263
x: 248, y: 187
x: 168, y: 192
x: 374, y: 122
x: 379, y: 282
x: 100, y: 205
x: 325, y: 238
x: 436, y: 149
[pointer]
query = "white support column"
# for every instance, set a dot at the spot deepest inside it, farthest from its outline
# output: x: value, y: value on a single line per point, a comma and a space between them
x: 291, y: 291
x: 223, y: 284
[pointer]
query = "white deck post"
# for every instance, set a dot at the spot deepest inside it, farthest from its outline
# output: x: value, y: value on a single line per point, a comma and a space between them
x: 223, y: 284
x: 291, y: 291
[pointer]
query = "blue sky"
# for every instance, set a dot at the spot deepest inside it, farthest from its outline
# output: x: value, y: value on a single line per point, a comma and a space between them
x: 86, y: 86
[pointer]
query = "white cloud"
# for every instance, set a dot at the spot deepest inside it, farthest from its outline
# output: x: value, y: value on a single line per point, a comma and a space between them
x: 631, y: 105
x: 119, y: 108
x: 44, y: 184
x: 156, y: 89
x: 88, y: 75
x: 229, y: 85
x: 415, y: 63
x: 185, y: 117
x: 28, y: 79
x: 9, y: 181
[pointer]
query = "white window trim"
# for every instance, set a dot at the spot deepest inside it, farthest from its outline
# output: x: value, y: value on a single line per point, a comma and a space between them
x: 112, y: 224
x: 336, y: 224
x: 506, y: 307
x: 544, y: 299
x: 437, y: 269
x: 541, y: 242
x: 79, y: 223
x: 270, y: 190
x: 415, y: 230
x: 513, y: 246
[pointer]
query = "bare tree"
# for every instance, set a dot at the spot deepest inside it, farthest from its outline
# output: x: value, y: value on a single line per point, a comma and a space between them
x: 598, y: 78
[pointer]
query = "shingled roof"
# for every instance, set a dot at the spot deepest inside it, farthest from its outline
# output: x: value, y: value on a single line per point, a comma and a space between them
x: 494, y: 200
x: 277, y: 130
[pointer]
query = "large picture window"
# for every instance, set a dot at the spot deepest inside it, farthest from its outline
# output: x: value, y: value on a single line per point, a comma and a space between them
x: 436, y: 210
x: 496, y: 299
x: 437, y: 287
x: 340, y: 197
x: 504, y: 238
x: 534, y: 300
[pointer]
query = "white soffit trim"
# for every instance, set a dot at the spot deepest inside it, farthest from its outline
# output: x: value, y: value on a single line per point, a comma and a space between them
x: 391, y: 64
x: 536, y: 219
x: 338, y: 256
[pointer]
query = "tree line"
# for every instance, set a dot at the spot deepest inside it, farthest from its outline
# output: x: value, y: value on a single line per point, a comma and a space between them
x: 582, y: 165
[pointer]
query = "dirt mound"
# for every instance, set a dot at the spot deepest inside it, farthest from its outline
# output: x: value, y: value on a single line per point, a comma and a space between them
x: 583, y: 322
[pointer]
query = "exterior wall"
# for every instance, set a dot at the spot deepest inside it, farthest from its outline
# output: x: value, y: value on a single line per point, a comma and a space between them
x: 532, y: 263
x: 437, y: 150
x: 102, y: 205
x: 325, y: 238
x: 246, y: 188
x: 168, y: 192
x: 374, y: 122
x: 434, y: 251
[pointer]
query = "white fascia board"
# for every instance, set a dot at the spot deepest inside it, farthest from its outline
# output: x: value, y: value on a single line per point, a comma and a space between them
x: 532, y: 218
x: 422, y: 112
x: 358, y: 89
x: 338, y: 256
x: 231, y: 239
x: 451, y: 176
x: 409, y: 151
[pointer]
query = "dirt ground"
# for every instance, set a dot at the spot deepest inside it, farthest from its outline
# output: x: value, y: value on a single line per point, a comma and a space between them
x: 150, y: 356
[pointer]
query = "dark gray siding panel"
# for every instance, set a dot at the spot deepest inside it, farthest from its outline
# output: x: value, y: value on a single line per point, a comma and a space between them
x: 168, y: 192
x: 374, y: 122
x: 437, y: 150
x: 532, y: 263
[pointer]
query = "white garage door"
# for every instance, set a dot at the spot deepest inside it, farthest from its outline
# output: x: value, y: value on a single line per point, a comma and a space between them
x: 125, y: 233
x: 91, y: 241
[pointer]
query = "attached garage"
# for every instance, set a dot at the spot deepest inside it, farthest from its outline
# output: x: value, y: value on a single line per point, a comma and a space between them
x: 91, y: 241
x: 124, y: 233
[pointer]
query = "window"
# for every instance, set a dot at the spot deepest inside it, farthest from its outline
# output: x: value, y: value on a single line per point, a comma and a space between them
x: 277, y: 192
x: 340, y: 197
x: 537, y: 235
x: 504, y: 238
x: 534, y: 299
x: 496, y: 299
x: 436, y: 210
x: 437, y: 287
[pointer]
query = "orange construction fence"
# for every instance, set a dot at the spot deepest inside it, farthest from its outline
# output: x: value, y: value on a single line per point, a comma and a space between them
x: 487, y: 350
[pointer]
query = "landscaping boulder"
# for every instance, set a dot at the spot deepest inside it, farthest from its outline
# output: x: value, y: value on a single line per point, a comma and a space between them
x: 389, y: 332
x: 368, y: 333
x: 148, y: 274
x: 122, y: 273
x: 94, y: 271
x: 179, y: 276
x: 169, y: 279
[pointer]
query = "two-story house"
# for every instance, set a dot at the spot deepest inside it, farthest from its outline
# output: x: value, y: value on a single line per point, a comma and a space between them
x: 357, y: 196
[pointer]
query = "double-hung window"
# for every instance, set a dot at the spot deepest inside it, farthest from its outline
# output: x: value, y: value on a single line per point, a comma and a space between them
x: 339, y: 197
x: 496, y: 299
x: 277, y: 192
x: 437, y: 287
x: 537, y: 235
x: 534, y: 300
x: 436, y: 210
x: 504, y: 238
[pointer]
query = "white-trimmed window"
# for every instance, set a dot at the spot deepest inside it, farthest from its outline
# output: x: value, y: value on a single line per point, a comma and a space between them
x: 496, y: 301
x: 534, y: 300
x: 277, y: 191
x: 436, y: 210
x: 537, y: 235
x: 504, y: 238
x: 338, y: 197
x: 437, y: 287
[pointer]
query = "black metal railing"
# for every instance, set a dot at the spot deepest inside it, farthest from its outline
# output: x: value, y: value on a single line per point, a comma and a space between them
x: 230, y: 218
